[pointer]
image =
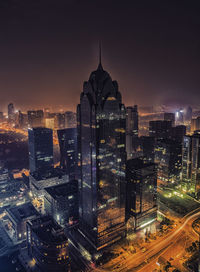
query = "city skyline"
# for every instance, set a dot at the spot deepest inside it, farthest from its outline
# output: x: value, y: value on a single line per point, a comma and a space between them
x: 47, y: 50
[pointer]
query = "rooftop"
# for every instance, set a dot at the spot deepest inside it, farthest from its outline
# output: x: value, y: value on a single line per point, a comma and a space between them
x: 63, y: 189
x: 48, y: 230
x: 21, y: 212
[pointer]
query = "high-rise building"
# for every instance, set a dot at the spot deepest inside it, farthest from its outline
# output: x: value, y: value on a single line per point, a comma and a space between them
x: 62, y: 203
x: 168, y: 156
x: 191, y: 164
x: 160, y: 129
x: 179, y: 118
x: 40, y: 149
x: 47, y: 245
x: 101, y: 137
x: 170, y: 116
x: 188, y: 114
x: 1, y: 116
x: 147, y: 144
x: 17, y: 219
x: 70, y: 119
x: 11, y: 113
x: 141, y: 200
x: 186, y: 159
x: 68, y: 150
x: 178, y: 132
x: 36, y: 118
x: 195, y: 124
x: 131, y: 130
x: 60, y: 120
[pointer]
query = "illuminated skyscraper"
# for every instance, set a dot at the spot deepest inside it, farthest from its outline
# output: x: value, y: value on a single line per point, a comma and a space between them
x: 131, y: 130
x: 101, y: 137
x: 141, y: 202
x: 68, y: 150
x: 40, y: 149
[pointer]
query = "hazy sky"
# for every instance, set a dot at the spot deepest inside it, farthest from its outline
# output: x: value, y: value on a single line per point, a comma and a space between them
x: 48, y: 48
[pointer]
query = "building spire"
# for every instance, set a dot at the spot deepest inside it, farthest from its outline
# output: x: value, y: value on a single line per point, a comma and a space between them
x: 100, y: 65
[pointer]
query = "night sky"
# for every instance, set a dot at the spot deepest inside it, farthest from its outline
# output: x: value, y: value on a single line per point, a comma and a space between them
x: 48, y: 48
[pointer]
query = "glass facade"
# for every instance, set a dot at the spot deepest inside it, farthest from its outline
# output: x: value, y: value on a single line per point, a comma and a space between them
x: 141, y: 191
x: 68, y: 150
x: 40, y: 142
x: 101, y: 137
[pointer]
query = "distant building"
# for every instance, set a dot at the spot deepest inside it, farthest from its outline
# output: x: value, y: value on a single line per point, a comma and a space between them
x: 179, y: 117
x: 50, y: 122
x: 168, y: 156
x: 188, y: 114
x: 11, y: 113
x: 47, y: 245
x: 17, y: 218
x: 62, y: 203
x: 60, y: 120
x: 141, y: 204
x: 40, y: 141
x: 1, y: 116
x: 68, y: 150
x: 160, y: 129
x: 131, y: 130
x: 195, y: 124
x: 169, y: 116
x: 70, y: 119
x: 35, y: 118
x: 22, y: 120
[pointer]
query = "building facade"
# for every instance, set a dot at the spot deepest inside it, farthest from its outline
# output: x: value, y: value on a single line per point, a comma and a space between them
x: 62, y: 203
x: 40, y: 141
x: 131, y: 130
x: 141, y: 205
x: 47, y: 245
x: 101, y: 137
x: 68, y: 151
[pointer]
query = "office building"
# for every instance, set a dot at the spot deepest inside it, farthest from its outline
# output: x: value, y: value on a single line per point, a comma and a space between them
x: 39, y: 181
x: 191, y: 164
x: 35, y: 118
x: 188, y: 114
x: 186, y: 159
x: 17, y: 219
x: 47, y: 245
x: 178, y: 132
x: 131, y: 130
x: 195, y: 124
x: 40, y: 141
x: 62, y: 203
x: 141, y: 200
x: 60, y: 120
x: 70, y: 119
x: 160, y: 129
x: 169, y: 116
x: 179, y: 117
x: 11, y: 113
x: 101, y: 137
x: 68, y: 150
x: 168, y: 156
x: 147, y: 145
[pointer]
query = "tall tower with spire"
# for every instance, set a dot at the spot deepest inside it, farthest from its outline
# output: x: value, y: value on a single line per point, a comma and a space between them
x: 101, y: 139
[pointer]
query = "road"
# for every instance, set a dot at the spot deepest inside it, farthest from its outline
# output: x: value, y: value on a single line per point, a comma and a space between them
x: 147, y: 261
